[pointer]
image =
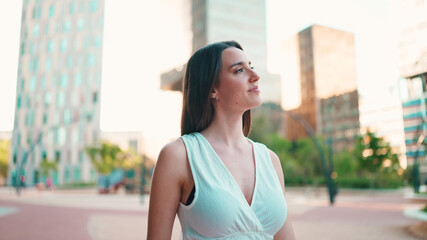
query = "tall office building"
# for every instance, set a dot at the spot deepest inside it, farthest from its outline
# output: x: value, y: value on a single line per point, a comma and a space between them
x: 323, y: 61
x: 410, y: 27
x: 58, y: 89
x: 240, y: 20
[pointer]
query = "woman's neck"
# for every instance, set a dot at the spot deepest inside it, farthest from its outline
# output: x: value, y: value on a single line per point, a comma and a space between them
x: 227, y: 128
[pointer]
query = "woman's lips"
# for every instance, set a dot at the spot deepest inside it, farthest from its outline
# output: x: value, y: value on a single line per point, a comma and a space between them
x: 254, y: 89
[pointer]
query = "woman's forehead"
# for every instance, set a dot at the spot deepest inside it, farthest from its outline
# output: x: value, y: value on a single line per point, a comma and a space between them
x: 232, y: 55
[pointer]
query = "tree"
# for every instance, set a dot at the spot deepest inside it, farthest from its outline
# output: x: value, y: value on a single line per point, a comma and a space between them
x: 374, y: 154
x: 4, y: 158
x: 105, y: 157
x: 47, y: 166
x: 128, y: 159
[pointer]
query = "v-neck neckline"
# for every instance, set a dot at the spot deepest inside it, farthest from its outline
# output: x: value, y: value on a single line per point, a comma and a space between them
x: 231, y: 175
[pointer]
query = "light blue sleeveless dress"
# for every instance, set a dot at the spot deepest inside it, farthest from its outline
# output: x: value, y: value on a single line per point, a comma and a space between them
x: 219, y: 209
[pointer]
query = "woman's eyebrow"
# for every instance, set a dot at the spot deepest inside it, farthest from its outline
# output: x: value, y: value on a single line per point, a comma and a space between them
x: 237, y: 64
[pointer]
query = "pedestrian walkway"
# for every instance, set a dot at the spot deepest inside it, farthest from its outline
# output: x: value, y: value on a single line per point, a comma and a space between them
x: 355, y: 215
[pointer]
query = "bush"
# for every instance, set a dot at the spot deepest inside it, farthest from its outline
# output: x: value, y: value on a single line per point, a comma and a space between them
x: 78, y: 185
x: 380, y: 181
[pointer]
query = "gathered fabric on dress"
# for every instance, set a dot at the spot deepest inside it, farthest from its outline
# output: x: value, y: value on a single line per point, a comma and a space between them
x: 219, y: 209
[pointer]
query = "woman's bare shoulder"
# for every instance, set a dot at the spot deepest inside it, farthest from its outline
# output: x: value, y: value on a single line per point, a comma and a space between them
x: 276, y: 162
x: 173, y: 154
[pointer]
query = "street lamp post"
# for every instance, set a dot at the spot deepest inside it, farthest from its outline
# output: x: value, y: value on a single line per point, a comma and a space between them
x: 23, y: 161
x: 142, y: 183
x: 416, y: 171
x: 326, y: 171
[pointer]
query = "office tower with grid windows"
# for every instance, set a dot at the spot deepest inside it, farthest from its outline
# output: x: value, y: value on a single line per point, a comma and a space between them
x: 239, y: 20
x: 323, y: 61
x: 409, y: 23
x: 58, y: 90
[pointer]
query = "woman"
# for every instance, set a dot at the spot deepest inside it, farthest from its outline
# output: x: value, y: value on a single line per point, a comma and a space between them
x: 221, y: 184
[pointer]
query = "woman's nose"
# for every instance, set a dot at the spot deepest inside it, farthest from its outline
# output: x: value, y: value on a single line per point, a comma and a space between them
x: 254, y: 76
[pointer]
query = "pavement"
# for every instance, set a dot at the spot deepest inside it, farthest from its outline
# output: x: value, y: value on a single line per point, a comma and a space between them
x: 84, y: 214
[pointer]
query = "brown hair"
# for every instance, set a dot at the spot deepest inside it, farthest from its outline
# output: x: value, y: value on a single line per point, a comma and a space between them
x: 201, y: 75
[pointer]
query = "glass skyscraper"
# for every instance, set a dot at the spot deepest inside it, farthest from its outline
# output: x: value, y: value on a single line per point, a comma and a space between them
x: 58, y: 89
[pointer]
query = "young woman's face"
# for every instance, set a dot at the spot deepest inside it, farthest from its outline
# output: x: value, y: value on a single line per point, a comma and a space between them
x: 238, y: 83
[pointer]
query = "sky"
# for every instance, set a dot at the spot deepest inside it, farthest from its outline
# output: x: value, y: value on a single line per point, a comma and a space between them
x: 156, y: 39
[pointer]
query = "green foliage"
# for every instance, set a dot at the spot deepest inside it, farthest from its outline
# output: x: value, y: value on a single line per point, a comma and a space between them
x: 4, y: 157
x: 374, y: 154
x: 105, y: 157
x: 370, y: 164
x: 424, y: 209
x: 78, y: 185
x: 46, y: 166
x: 345, y: 164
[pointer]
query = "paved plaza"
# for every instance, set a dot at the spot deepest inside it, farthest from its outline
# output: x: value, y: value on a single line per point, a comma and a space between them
x: 84, y: 214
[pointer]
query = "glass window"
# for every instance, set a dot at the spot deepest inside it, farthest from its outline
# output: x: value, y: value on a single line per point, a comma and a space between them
x: 63, y: 82
x: 77, y: 175
x: 50, y: 46
x: 32, y: 48
x: 62, y: 136
x: 67, y: 174
x: 66, y: 118
x: 22, y: 48
x: 46, y: 29
x: 28, y: 101
x: 97, y: 41
x: 66, y: 27
x: 64, y: 45
x: 91, y: 60
x: 80, y: 24
x: 47, y: 99
x: 93, y: 6
x: 78, y: 78
x: 29, y: 119
x: 95, y: 97
x: 45, y: 119
x: 18, y: 138
x: 51, y: 11
x: 69, y: 61
x: 43, y: 82
x: 18, y: 102
x: 33, y: 83
x: 56, y: 122
x: 89, y: 117
x: 60, y: 100
x: 34, y: 13
x: 72, y: 8
x: 33, y: 65
x: 81, y: 157
x: 36, y: 30
x: 36, y: 64
x: 48, y: 64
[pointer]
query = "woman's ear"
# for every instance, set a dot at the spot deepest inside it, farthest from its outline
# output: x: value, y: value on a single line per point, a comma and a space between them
x: 213, y: 94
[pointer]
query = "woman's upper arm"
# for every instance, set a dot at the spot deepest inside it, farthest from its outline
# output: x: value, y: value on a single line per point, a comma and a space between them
x: 287, y: 231
x: 165, y: 193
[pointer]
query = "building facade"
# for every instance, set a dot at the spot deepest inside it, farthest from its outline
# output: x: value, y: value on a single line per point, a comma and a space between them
x: 240, y: 20
x: 410, y: 27
x: 323, y: 62
x: 58, y: 90
x: 383, y: 115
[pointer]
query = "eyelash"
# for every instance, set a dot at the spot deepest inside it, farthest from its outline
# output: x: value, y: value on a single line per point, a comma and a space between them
x: 241, y: 69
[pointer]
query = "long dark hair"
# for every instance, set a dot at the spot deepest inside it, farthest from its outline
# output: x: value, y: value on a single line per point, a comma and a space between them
x: 201, y: 76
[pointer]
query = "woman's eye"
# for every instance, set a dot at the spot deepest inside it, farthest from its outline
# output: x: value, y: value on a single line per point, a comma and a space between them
x: 239, y: 70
